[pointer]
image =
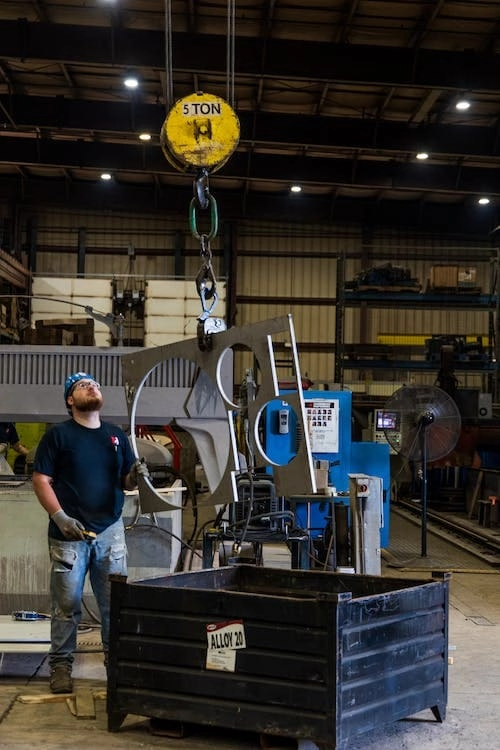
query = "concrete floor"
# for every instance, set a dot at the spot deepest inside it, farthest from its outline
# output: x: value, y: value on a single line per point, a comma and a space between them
x: 474, y: 685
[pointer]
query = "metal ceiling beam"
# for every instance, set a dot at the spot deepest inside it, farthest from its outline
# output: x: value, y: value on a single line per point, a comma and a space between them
x: 285, y: 59
x: 273, y: 168
x: 115, y: 119
x: 453, y: 220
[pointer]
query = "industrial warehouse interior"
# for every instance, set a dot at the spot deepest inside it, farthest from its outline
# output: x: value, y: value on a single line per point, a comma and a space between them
x: 269, y: 234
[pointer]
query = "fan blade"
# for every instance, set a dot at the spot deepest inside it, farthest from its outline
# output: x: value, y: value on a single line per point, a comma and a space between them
x: 424, y: 407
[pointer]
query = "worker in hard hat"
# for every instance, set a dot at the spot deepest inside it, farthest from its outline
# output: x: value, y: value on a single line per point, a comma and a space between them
x: 81, y: 468
x: 10, y: 438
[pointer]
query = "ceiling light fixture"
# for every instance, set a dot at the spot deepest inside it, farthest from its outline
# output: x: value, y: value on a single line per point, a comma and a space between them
x: 483, y: 201
x: 105, y: 176
x: 422, y: 155
x: 462, y: 104
x: 144, y: 136
x: 295, y: 189
x: 131, y: 81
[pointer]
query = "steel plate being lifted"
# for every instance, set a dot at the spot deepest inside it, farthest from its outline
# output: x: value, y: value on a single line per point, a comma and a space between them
x: 208, y: 412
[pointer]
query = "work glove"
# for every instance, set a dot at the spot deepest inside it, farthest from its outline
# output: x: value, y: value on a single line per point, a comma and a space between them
x: 140, y: 468
x: 3, y: 448
x: 69, y: 527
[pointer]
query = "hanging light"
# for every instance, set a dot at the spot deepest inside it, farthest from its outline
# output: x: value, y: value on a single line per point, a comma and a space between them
x: 422, y: 155
x: 105, y: 176
x: 131, y: 81
x: 483, y: 201
x: 295, y: 189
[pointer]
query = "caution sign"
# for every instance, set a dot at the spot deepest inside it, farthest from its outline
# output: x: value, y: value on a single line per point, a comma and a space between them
x: 223, y: 640
x: 201, y: 130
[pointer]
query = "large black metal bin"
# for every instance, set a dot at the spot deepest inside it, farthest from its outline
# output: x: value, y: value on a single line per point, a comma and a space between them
x: 304, y: 654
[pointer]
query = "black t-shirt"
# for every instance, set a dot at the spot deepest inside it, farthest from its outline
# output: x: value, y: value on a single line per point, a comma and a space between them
x: 8, y: 433
x: 87, y: 467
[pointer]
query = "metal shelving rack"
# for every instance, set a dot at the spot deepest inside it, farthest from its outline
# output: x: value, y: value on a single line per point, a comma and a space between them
x: 416, y: 301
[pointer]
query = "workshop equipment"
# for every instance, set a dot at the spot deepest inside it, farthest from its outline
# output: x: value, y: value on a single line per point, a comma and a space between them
x: 428, y: 428
x: 328, y: 424
x: 365, y: 499
x: 335, y: 454
x: 384, y: 278
x: 199, y: 134
x: 201, y: 130
x: 464, y: 348
x: 293, y: 653
x: 258, y: 516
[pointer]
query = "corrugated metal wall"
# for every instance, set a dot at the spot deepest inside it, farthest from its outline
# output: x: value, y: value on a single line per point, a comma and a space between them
x: 108, y: 238
x: 295, y: 270
x: 279, y: 269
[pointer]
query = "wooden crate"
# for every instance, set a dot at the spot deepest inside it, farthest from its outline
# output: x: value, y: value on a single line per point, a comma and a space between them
x: 64, y: 332
x: 444, y: 277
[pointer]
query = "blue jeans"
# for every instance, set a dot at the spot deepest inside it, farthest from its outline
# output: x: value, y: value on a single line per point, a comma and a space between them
x: 71, y: 561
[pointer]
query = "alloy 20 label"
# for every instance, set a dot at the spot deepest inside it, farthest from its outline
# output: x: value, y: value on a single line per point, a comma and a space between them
x: 226, y: 635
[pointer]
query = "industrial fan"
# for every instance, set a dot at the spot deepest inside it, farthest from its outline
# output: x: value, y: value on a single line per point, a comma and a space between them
x: 423, y: 424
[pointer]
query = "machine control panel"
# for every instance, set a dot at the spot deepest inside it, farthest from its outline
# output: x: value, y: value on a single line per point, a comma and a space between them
x: 387, y: 423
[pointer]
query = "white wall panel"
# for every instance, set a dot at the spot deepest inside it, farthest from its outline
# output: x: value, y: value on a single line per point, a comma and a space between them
x: 166, y: 324
x: 171, y: 311
x: 161, y: 307
x: 80, y: 292
x: 51, y: 308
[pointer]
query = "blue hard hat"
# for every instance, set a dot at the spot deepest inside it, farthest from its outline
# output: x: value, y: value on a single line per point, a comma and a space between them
x: 71, y: 380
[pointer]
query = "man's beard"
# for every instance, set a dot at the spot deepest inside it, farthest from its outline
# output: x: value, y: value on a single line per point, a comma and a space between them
x: 93, y: 403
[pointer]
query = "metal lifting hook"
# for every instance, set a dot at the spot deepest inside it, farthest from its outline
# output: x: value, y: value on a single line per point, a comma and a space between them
x: 200, y: 188
x: 207, y: 289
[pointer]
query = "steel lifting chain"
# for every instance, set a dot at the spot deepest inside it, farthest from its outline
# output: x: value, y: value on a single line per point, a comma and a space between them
x: 206, y: 284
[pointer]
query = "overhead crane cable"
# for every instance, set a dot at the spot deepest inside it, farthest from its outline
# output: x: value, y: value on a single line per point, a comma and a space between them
x: 201, y: 130
x: 200, y: 133
x: 169, y: 73
x: 230, y: 50
x: 230, y: 54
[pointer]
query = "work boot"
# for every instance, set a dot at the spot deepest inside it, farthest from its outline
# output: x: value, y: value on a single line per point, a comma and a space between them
x: 60, y: 679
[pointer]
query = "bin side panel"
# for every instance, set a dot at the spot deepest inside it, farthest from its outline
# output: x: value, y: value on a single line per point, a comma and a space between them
x: 394, y: 660
x: 259, y: 662
x: 282, y: 681
x: 306, y: 639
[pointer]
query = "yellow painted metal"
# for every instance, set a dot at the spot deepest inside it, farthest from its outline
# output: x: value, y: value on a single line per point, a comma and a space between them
x: 201, y: 130
x: 412, y: 339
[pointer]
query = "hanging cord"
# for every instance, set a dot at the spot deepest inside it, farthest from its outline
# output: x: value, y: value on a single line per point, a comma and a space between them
x: 230, y: 50
x: 169, y: 72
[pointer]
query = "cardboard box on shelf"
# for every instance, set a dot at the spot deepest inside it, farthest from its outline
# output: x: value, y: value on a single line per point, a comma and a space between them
x: 444, y: 276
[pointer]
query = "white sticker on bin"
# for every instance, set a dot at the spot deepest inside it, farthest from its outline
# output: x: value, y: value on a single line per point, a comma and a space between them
x: 223, y: 640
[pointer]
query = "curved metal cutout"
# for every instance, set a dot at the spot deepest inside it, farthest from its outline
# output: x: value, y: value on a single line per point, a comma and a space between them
x: 208, y: 401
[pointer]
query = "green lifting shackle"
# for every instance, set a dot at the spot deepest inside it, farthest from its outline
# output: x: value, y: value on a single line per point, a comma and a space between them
x: 214, y: 217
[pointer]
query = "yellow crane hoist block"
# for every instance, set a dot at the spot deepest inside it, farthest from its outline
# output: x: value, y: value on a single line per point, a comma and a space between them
x: 201, y: 130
